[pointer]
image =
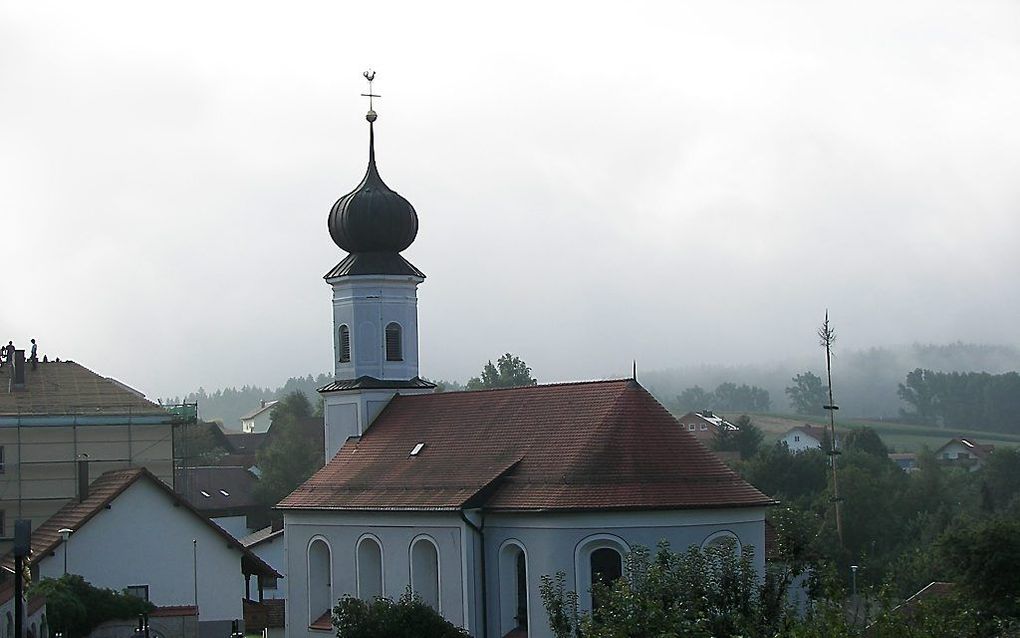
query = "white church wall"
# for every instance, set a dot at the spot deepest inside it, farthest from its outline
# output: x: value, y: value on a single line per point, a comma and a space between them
x: 395, y: 532
x: 562, y: 542
x: 551, y: 542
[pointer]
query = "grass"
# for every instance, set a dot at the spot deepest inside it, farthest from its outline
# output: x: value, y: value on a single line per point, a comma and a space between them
x: 900, y: 437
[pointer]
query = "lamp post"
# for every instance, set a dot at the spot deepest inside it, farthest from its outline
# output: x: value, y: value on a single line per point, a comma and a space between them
x: 65, y: 534
x: 853, y: 579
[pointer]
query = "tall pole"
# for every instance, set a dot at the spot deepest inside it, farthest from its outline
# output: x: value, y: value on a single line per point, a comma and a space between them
x: 19, y: 612
x: 827, y: 337
x: 194, y: 552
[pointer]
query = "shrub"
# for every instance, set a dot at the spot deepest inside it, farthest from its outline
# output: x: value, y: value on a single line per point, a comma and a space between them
x: 408, y: 617
x: 75, y: 607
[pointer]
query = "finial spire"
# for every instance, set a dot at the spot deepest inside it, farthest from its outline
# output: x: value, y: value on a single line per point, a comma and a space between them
x: 371, y: 115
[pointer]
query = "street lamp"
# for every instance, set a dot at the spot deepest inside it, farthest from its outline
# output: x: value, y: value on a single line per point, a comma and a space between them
x: 65, y: 534
x: 853, y: 579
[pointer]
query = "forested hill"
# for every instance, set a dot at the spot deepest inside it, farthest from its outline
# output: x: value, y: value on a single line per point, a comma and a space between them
x: 229, y: 404
x: 865, y: 382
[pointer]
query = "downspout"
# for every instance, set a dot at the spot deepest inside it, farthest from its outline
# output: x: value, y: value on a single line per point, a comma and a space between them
x: 481, y: 539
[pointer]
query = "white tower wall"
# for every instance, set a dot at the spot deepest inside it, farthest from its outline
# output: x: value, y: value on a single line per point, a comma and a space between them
x: 366, y: 304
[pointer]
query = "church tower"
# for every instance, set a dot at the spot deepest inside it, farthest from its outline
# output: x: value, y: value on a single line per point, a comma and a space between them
x: 375, y: 303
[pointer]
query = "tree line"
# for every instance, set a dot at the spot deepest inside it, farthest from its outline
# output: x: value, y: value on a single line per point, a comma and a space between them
x: 965, y: 400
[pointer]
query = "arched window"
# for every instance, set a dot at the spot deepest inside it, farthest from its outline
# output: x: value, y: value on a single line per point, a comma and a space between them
x: 394, y: 342
x: 606, y: 567
x: 10, y: 625
x: 345, y: 344
x: 425, y: 571
x: 722, y: 540
x: 513, y: 588
x: 44, y: 628
x: 370, y: 568
x: 320, y: 590
x: 597, y: 559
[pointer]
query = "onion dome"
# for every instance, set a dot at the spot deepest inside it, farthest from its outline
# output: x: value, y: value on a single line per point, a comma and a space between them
x: 372, y: 218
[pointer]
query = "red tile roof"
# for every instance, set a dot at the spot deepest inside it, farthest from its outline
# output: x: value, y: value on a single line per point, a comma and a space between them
x: 577, y: 446
x: 102, y: 491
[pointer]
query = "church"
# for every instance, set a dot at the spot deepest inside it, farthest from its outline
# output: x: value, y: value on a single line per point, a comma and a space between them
x: 469, y: 498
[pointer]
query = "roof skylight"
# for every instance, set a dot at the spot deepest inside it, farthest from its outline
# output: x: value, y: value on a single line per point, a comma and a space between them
x: 417, y: 448
x: 206, y: 494
x: 224, y: 492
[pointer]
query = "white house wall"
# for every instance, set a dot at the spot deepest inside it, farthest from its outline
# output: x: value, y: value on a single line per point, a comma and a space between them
x: 144, y: 539
x: 272, y: 552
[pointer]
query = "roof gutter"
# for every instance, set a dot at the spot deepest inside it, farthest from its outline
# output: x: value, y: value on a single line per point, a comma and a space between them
x: 479, y: 529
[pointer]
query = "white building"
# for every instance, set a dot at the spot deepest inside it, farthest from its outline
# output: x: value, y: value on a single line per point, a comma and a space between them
x: 258, y: 420
x: 966, y: 453
x: 36, y: 623
x: 267, y: 544
x: 806, y: 437
x: 470, y: 498
x: 131, y: 531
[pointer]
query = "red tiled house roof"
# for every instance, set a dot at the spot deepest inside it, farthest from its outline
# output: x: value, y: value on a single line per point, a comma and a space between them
x: 578, y: 446
x: 102, y: 491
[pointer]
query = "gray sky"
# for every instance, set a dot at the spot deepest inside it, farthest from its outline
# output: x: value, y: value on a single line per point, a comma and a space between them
x: 594, y: 182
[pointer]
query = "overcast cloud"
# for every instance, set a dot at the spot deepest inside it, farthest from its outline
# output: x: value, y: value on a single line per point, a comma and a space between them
x: 672, y: 182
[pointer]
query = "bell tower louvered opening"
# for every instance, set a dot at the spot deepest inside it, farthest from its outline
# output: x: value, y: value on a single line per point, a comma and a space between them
x: 394, y: 343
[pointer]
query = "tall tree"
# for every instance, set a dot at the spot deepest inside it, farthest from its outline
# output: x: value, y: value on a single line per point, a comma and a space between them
x: 919, y: 392
x: 695, y: 398
x: 291, y: 458
x: 508, y: 372
x: 808, y: 394
x: 746, y: 439
x: 865, y: 440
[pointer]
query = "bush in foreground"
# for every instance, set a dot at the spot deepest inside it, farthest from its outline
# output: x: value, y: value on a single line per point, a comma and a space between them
x: 408, y: 617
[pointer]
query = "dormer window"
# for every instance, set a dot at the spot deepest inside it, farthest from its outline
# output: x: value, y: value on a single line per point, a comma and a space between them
x: 345, y: 344
x: 394, y: 343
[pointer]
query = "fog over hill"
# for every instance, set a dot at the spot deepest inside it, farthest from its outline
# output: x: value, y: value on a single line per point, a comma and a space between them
x: 864, y: 381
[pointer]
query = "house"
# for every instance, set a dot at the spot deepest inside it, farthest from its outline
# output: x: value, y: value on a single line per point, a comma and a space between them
x: 267, y: 543
x: 225, y: 494
x: 469, y: 498
x: 965, y: 453
x: 36, y: 623
x: 259, y: 419
x: 61, y: 411
x: 130, y: 530
x: 706, y: 425
x: 807, y: 437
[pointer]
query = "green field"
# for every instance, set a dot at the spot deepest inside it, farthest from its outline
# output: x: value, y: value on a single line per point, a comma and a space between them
x: 900, y: 437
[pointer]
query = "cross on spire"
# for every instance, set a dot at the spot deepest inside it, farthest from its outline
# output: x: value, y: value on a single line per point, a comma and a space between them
x: 371, y: 115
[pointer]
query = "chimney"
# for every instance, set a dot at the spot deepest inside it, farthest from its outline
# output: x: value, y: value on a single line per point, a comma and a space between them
x: 277, y: 524
x: 83, y: 479
x: 263, y: 403
x: 18, y: 372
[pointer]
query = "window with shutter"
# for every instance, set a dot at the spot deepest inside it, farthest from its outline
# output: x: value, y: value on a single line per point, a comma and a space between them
x: 394, y: 343
x: 345, y: 344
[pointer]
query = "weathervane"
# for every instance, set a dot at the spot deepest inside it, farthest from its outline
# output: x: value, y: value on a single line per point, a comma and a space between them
x: 371, y: 115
